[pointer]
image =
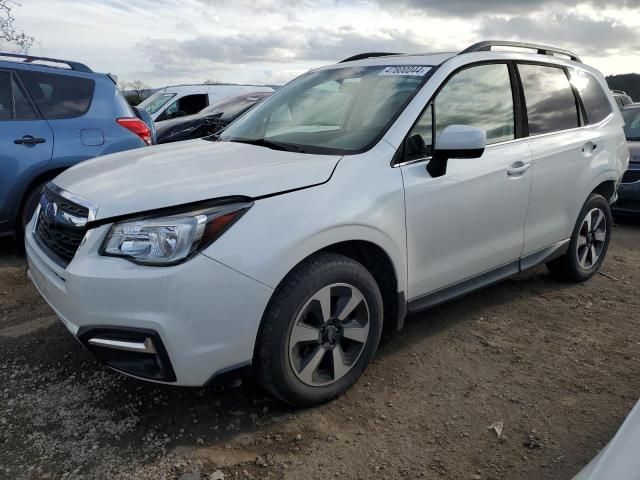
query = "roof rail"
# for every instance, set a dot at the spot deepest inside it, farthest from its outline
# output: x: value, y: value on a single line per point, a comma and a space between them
x: 541, y: 49
x: 362, y: 56
x: 75, y: 66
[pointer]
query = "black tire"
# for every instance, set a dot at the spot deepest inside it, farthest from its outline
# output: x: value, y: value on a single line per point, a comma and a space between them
x: 272, y: 357
x: 568, y: 268
x: 29, y: 206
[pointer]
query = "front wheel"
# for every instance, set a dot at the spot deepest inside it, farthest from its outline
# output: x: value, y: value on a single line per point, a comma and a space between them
x: 589, y: 242
x: 320, y: 331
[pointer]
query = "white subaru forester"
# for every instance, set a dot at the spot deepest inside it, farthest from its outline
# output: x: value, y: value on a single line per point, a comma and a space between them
x: 355, y: 194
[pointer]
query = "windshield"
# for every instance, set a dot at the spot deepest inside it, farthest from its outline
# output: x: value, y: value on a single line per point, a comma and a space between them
x: 338, y: 111
x: 632, y: 123
x: 156, y: 101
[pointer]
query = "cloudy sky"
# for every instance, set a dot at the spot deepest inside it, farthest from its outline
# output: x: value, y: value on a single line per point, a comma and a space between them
x: 271, y: 41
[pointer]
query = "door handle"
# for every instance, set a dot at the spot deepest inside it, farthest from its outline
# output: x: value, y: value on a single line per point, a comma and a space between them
x: 518, y: 168
x: 28, y: 140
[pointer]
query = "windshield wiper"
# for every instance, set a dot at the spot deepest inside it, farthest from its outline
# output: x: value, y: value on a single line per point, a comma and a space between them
x: 633, y: 139
x: 263, y: 142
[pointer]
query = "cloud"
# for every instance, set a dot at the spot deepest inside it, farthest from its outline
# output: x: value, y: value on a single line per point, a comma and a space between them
x: 320, y: 44
x: 587, y: 35
x: 466, y: 8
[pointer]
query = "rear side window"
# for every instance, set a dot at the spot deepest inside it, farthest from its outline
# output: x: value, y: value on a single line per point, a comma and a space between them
x: 5, y: 96
x: 595, y: 100
x: 551, y: 104
x: 59, y: 96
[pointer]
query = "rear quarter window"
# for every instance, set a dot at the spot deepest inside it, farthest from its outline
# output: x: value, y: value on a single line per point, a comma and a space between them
x: 595, y: 100
x: 59, y: 96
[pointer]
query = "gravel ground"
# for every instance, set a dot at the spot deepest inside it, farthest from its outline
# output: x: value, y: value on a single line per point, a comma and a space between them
x: 553, y: 367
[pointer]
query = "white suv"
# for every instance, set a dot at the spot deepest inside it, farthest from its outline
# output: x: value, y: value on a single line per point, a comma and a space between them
x: 359, y: 192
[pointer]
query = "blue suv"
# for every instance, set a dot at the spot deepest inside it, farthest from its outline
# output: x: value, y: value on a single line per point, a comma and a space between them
x: 54, y: 114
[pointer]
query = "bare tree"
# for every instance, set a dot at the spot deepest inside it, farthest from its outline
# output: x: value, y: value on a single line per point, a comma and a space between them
x: 8, y: 31
x: 137, y: 91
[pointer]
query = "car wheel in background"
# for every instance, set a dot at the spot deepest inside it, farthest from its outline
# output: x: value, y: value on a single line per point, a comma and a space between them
x: 589, y: 242
x: 320, y: 330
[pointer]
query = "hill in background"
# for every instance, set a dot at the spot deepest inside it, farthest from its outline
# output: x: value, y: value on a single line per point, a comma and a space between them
x: 629, y: 82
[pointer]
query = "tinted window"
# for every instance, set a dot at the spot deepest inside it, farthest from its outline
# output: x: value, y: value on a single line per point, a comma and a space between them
x: 5, y: 96
x: 479, y: 97
x: 24, y: 110
x: 595, y: 100
x: 551, y: 104
x: 59, y: 96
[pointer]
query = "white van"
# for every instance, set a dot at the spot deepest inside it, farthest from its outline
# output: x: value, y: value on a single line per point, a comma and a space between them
x: 181, y: 100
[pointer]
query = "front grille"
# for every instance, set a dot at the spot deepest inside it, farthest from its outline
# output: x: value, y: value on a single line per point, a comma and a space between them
x: 631, y: 176
x: 55, y: 232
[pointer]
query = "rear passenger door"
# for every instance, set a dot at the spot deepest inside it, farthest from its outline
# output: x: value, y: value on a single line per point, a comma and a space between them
x: 562, y: 152
x: 26, y: 144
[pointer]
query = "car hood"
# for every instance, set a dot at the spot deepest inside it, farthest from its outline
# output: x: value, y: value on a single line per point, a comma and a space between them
x: 167, y: 124
x: 175, y: 174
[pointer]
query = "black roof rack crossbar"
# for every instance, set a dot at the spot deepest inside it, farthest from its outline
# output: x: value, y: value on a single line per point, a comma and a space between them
x: 75, y: 66
x: 362, y: 56
x: 541, y: 49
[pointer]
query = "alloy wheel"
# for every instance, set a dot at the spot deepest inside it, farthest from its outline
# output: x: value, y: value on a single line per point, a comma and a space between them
x: 591, y: 238
x: 329, y: 334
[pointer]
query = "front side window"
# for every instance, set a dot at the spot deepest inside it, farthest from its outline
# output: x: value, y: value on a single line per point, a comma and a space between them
x: 59, y: 96
x: 595, y: 100
x: 551, y: 104
x: 478, y: 96
x: 342, y: 110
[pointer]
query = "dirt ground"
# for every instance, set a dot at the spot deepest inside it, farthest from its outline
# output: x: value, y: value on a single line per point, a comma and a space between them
x: 557, y: 364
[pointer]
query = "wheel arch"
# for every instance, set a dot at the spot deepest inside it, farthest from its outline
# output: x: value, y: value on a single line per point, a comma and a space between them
x: 606, y: 188
x: 385, y: 268
x: 42, y: 177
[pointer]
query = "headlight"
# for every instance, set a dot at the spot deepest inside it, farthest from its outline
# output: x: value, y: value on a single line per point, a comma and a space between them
x: 170, y: 240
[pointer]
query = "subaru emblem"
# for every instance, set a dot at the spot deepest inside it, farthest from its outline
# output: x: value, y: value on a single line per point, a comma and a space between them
x: 50, y: 211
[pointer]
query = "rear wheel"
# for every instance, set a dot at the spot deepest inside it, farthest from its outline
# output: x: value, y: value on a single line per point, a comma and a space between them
x: 589, y: 242
x: 320, y: 331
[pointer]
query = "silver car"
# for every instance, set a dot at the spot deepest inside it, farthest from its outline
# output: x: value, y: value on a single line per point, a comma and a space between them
x: 359, y: 192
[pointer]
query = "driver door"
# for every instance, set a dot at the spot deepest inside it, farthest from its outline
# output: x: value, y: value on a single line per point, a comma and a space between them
x: 466, y: 228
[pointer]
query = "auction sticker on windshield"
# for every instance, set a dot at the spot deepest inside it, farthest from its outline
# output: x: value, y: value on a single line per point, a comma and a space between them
x: 413, y: 70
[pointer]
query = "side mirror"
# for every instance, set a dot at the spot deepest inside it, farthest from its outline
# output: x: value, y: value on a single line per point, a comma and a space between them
x: 456, y: 141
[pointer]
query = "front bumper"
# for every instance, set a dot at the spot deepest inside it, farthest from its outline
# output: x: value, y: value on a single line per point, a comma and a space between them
x: 205, y: 315
x: 628, y: 199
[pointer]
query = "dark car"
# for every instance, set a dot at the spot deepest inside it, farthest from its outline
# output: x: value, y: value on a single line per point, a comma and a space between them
x: 629, y: 190
x: 209, y: 121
